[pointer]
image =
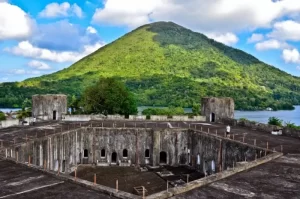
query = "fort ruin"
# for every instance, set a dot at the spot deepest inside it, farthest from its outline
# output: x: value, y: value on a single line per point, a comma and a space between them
x: 129, y: 158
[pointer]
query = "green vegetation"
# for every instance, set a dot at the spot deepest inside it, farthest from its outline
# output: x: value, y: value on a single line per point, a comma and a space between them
x: 164, y: 64
x: 275, y: 121
x: 292, y: 126
x: 165, y: 111
x: 2, y: 116
x: 196, y: 109
x: 108, y: 96
x: 246, y: 120
x: 23, y: 113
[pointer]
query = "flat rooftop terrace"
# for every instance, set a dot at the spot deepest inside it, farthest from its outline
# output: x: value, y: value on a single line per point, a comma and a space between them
x: 17, y: 181
x: 276, y: 179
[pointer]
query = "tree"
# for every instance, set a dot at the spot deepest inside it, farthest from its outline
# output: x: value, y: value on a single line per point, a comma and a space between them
x: 196, y: 109
x: 26, y: 104
x: 2, y: 116
x: 275, y: 121
x: 74, y: 105
x: 108, y: 96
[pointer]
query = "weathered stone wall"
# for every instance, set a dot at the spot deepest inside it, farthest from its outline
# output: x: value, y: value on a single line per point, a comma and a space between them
x: 224, y: 152
x: 63, y: 151
x: 219, y: 107
x: 44, y: 106
x: 8, y: 123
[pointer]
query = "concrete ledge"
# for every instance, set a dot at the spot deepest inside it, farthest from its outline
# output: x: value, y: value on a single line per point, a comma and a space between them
x: 210, y: 179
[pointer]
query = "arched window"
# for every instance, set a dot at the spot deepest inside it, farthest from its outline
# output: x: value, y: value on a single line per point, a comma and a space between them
x: 163, y: 157
x: 85, y: 153
x: 125, y: 153
x: 147, y: 153
x: 103, y: 153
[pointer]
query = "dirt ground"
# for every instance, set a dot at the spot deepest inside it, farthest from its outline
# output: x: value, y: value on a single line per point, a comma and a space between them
x: 129, y: 177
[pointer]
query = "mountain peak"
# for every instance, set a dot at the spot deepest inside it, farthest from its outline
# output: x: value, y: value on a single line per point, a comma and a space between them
x: 165, y: 64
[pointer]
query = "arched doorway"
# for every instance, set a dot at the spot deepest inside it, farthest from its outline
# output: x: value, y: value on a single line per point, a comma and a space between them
x: 85, y: 156
x: 114, y: 157
x: 125, y: 153
x: 63, y: 168
x: 212, y: 117
x: 147, y: 153
x: 85, y: 153
x: 54, y: 115
x: 103, y: 153
x: 163, y: 157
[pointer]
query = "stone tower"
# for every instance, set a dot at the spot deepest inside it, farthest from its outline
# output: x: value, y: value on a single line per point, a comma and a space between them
x: 216, y: 108
x: 49, y: 107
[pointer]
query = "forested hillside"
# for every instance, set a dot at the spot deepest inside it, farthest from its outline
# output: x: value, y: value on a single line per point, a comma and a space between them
x: 165, y: 64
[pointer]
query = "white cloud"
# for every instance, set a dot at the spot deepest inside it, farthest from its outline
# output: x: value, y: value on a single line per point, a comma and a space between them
x: 209, y: 16
x: 291, y: 55
x: 64, y: 9
x: 298, y: 67
x: 14, y: 22
x: 286, y: 30
x: 270, y: 44
x: 23, y: 72
x: 227, y: 38
x: 91, y: 30
x: 39, y: 65
x: 26, y: 49
x: 55, y: 36
x: 77, y: 10
x: 131, y: 12
x: 255, y: 38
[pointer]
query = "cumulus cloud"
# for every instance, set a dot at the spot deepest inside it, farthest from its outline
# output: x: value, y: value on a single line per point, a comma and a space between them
x: 270, y: 44
x: 255, y: 38
x: 64, y: 9
x: 26, y: 49
x: 291, y: 56
x: 91, y: 30
x: 286, y: 30
x: 298, y: 67
x: 14, y: 22
x: 227, y: 38
x: 39, y: 65
x: 64, y: 36
x: 211, y: 16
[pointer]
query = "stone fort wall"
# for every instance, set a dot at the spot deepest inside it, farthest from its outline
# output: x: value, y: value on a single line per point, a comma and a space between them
x: 64, y: 151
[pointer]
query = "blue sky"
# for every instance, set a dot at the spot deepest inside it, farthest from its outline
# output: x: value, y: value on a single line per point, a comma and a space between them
x: 41, y: 37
